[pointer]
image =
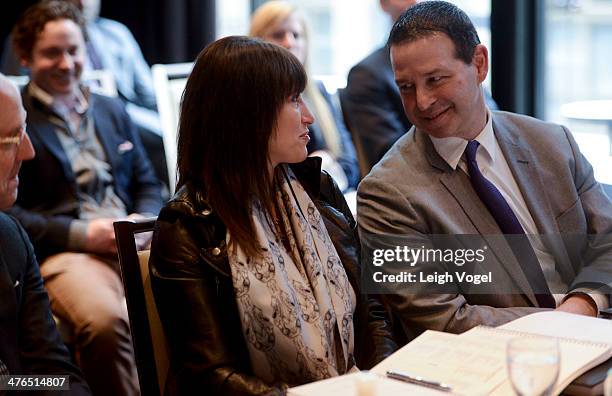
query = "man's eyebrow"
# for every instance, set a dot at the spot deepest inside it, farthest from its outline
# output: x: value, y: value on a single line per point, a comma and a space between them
x: 435, y: 71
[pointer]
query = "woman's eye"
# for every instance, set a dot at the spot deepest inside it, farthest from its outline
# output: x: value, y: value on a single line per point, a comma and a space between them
x: 278, y: 35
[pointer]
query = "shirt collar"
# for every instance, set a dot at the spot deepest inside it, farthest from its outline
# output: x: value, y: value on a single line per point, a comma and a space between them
x: 79, y: 103
x: 38, y: 93
x: 451, y: 148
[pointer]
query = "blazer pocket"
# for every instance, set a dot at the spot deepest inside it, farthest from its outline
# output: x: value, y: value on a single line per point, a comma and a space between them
x: 572, y: 220
x: 125, y: 147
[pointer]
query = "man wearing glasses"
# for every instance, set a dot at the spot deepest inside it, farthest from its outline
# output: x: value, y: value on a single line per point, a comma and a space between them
x: 29, y: 341
x: 90, y: 170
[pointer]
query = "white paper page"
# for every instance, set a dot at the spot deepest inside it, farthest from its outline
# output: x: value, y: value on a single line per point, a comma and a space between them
x: 563, y: 324
x: 576, y: 358
x: 464, y: 365
x: 347, y: 385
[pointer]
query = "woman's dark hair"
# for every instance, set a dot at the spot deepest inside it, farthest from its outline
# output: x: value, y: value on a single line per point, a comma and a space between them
x: 431, y: 17
x: 228, y: 113
x: 32, y: 22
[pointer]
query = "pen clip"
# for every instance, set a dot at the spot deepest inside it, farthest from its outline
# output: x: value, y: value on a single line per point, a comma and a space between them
x: 418, y: 380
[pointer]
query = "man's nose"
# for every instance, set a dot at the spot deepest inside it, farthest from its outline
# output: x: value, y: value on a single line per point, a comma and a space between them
x: 66, y: 61
x: 424, y: 98
x: 25, y: 150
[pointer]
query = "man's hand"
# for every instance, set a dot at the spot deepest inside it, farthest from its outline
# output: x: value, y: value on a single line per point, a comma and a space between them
x: 100, y: 237
x: 580, y: 304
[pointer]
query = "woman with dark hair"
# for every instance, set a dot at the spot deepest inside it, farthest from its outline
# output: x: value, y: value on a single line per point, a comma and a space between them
x: 254, y: 262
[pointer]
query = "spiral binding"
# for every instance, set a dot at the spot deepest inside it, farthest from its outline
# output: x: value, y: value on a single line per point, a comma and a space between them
x: 532, y: 335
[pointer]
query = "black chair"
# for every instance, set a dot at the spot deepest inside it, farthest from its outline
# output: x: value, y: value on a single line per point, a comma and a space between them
x: 150, y: 348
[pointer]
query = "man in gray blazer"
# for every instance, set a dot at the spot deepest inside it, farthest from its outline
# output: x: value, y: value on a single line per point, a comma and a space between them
x: 463, y: 169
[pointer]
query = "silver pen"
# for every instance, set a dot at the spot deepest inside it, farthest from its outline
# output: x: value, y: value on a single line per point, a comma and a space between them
x: 418, y: 380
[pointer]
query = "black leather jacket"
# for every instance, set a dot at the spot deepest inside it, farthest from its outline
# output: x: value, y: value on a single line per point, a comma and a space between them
x: 193, y: 290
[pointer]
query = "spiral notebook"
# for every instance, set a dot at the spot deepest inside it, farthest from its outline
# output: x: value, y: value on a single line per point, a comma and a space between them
x: 349, y: 385
x: 474, y: 363
x: 577, y: 356
x: 467, y: 366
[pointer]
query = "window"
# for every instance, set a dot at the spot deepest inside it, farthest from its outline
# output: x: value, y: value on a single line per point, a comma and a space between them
x: 577, y: 75
x: 342, y: 32
x: 232, y: 17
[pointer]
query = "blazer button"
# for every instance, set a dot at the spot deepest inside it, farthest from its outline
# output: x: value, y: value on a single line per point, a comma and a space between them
x: 216, y: 251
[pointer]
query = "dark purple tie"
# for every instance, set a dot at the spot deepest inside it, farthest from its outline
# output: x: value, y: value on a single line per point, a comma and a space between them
x: 509, y: 225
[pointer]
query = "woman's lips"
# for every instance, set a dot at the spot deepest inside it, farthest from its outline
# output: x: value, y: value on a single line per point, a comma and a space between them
x: 305, y: 136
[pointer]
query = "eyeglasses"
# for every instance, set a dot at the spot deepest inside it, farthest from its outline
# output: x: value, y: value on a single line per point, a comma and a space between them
x: 13, y: 140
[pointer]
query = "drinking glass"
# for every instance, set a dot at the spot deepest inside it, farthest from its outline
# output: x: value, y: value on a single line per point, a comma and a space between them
x: 533, y: 365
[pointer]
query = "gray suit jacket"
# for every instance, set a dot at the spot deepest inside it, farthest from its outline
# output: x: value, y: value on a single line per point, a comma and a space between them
x: 413, y: 192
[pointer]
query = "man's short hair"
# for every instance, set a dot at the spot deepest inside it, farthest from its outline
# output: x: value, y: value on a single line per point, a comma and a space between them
x: 33, y: 21
x: 430, y: 17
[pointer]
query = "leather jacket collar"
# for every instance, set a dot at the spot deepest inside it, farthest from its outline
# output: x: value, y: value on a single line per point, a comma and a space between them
x: 193, y: 204
x: 308, y: 173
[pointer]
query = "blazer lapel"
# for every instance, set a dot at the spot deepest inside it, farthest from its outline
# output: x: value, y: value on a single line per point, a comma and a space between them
x: 524, y: 169
x: 458, y: 185
x: 103, y: 126
x: 522, y: 165
x: 7, y: 295
x: 8, y: 320
x: 41, y: 129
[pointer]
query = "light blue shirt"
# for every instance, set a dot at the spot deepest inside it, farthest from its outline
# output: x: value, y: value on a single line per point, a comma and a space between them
x: 119, y: 53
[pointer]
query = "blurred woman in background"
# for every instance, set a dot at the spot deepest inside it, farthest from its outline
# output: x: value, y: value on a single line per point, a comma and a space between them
x: 254, y: 262
x: 281, y: 23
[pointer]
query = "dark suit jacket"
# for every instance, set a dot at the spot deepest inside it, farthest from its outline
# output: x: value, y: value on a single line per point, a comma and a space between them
x: 413, y: 192
x: 29, y: 341
x: 48, y: 200
x: 348, y: 157
x: 372, y: 106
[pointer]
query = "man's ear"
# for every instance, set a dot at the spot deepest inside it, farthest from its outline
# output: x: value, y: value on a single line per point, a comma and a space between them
x: 480, y: 60
x: 384, y: 4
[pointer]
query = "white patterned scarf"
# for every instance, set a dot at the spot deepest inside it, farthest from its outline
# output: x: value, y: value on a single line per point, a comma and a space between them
x: 296, y: 307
